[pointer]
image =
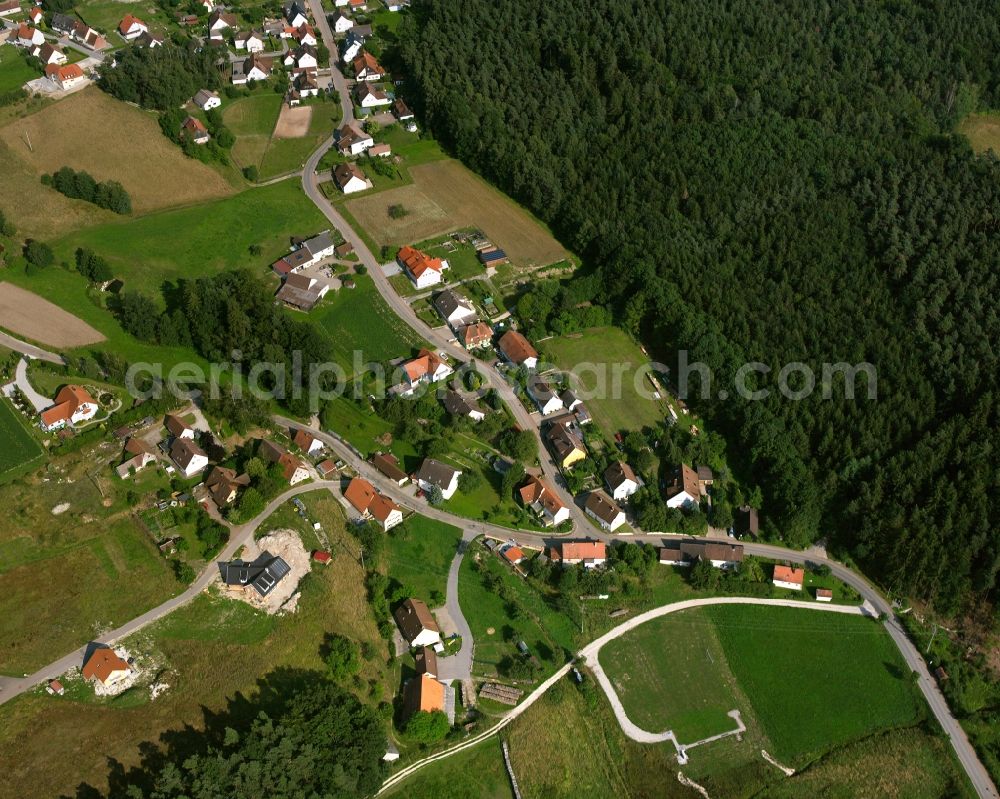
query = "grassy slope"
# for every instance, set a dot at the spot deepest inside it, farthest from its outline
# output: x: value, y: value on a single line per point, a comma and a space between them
x: 419, y: 557
x: 815, y: 680
x: 477, y: 773
x: 14, y: 70
x: 17, y: 446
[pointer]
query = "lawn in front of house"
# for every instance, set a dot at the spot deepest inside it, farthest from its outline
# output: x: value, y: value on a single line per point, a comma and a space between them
x: 420, y: 552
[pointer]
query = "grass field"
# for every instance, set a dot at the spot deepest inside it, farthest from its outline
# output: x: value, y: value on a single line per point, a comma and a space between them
x: 476, y: 773
x: 106, y: 14
x: 445, y: 196
x: 111, y: 141
x: 18, y: 449
x: 419, y: 557
x: 591, y: 356
x: 359, y: 321
x: 215, y: 654
x: 201, y: 239
x: 982, y: 131
x: 670, y: 673
x: 14, y: 70
x: 815, y: 680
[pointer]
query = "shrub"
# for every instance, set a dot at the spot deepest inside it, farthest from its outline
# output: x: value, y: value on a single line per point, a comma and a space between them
x: 38, y: 253
x: 251, y: 173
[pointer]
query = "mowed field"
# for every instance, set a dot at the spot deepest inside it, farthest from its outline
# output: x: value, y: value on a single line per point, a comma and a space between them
x: 203, y: 239
x: 982, y: 131
x: 112, y: 141
x: 215, y: 654
x: 419, y: 557
x: 445, y: 196
x: 17, y: 447
x: 592, y: 356
x: 26, y: 314
x: 671, y: 674
x: 14, y: 70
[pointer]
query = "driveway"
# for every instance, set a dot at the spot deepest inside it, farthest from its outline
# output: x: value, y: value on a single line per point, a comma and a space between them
x: 39, y: 401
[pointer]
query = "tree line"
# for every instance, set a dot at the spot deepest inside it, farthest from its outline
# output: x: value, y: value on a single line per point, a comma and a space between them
x: 756, y: 181
x: 109, y: 194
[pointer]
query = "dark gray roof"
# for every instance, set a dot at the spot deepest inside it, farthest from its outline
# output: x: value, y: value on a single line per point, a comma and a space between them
x: 447, y: 302
x: 436, y: 473
x: 319, y: 242
x: 63, y: 22
x: 457, y: 405
x: 264, y: 573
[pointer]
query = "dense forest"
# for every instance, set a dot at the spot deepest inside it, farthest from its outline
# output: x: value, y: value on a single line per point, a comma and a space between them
x: 751, y: 180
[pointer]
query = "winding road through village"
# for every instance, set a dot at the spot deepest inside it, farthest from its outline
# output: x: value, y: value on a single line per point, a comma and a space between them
x: 240, y: 535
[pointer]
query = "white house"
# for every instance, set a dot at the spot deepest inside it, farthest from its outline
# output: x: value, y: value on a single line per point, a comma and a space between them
x: 371, y: 96
x: 295, y: 14
x: 73, y: 404
x: 351, y: 141
x: 621, y: 481
x: 570, y: 553
x: 28, y: 36
x: 307, y: 442
x: 106, y: 667
x: 342, y: 24
x: 188, y: 457
x: 434, y: 473
x: 417, y: 624
x: 538, y: 495
x: 421, y: 268
x: 207, y: 100
x: 306, y: 35
x: 49, y: 54
x: 604, y: 511
x: 14, y: 7
x: 351, y: 46
x: 547, y: 400
x: 218, y: 21
x: 824, y: 595
x: 517, y: 350
x: 457, y: 405
x: 427, y: 367
x: 684, y: 492
x: 349, y: 178
x: 252, y: 42
x: 303, y: 57
x: 788, y: 577
x: 455, y: 309
x: 366, y: 67
x: 371, y: 505
x: 132, y: 27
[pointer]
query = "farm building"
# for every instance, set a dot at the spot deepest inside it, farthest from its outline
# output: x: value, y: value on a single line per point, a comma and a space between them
x: 788, y: 577
x: 416, y: 623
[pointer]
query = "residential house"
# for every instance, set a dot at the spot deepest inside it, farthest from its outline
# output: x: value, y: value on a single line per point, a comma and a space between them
x: 35, y: 15
x: 425, y: 661
x: 351, y: 141
x: 65, y: 77
x: 720, y: 554
x: 305, y: 34
x: 388, y: 465
x: 369, y: 96
x: 342, y: 24
x: 303, y: 85
x: 306, y: 253
x: 50, y: 54
x: 194, y: 129
x: 351, y: 46
x: 372, y: 505
x: 622, y: 482
x: 256, y: 68
x: 88, y: 36
x: 573, y: 403
x: 547, y: 400
x: 307, y: 442
x: 423, y: 694
x: 106, y: 667
x: 417, y: 624
x: 177, y: 427
x: 61, y: 23
x: 218, y: 21
x: 302, y: 57
x: 512, y: 554
x: 326, y: 468
x: 422, y: 269
x: 788, y: 577
x: 366, y: 67
x: 138, y: 455
x: 455, y: 309
x: 600, y: 507
x: 683, y: 492
x: 350, y: 179
x: 824, y: 595
x: 295, y: 14
x: 207, y: 100
x: 457, y: 405
x: 132, y: 27
x: 540, y: 497
x: 28, y: 37
x: 301, y: 291
x: 570, y: 553
x: 252, y: 41
x: 427, y: 367
x: 188, y: 457
x: 208, y: 5
x: 566, y: 445
x: 259, y: 576
x: 381, y: 150
x: 12, y: 7
x: 150, y: 40
x: 746, y: 522
x: 401, y: 110
x: 224, y: 485
x: 475, y: 335
x: 73, y: 404
x: 516, y: 349
x: 292, y: 468
x: 434, y: 473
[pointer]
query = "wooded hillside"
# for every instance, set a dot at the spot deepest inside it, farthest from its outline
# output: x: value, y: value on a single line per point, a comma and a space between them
x: 753, y: 180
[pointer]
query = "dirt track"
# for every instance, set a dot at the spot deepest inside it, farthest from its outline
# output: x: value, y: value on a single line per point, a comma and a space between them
x: 28, y: 315
x: 293, y: 123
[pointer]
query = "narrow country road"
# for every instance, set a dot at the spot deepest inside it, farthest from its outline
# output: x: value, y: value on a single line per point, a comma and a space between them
x: 30, y: 350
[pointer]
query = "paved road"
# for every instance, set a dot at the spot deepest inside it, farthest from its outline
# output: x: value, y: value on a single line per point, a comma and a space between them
x: 40, y: 401
x: 591, y: 651
x: 31, y: 350
x: 459, y: 665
